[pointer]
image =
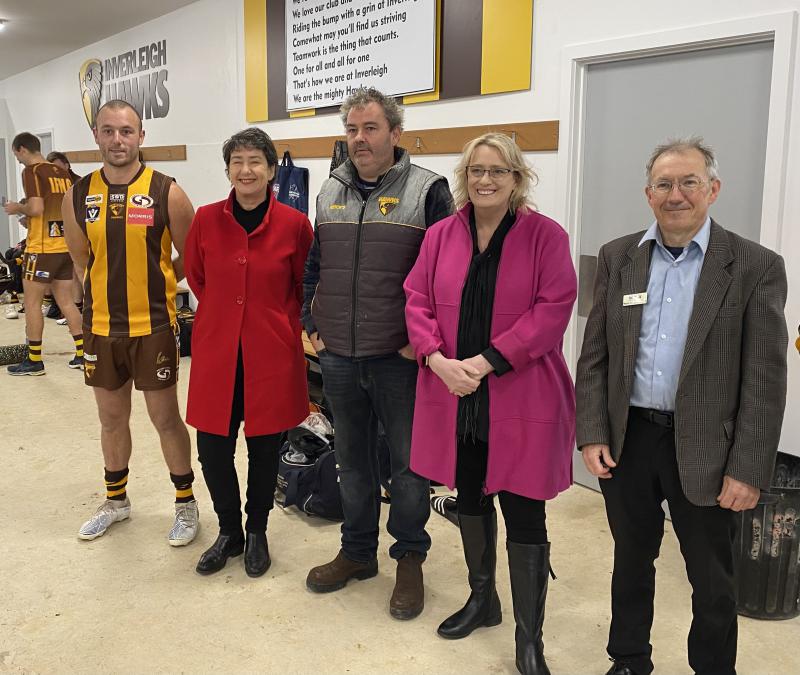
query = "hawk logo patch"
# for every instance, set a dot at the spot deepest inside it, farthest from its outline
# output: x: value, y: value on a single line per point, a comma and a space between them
x: 117, y: 211
x: 386, y: 204
x: 55, y: 228
x: 88, y: 369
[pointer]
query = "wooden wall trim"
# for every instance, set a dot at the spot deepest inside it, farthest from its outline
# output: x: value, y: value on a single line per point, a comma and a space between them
x: 530, y: 136
x: 156, y: 153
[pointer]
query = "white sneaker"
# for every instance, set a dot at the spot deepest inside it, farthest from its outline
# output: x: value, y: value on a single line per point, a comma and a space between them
x: 187, y: 523
x: 109, y: 512
x: 62, y: 321
x: 11, y: 312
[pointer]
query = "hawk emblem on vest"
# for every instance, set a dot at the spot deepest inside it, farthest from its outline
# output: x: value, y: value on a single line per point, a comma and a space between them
x: 386, y: 204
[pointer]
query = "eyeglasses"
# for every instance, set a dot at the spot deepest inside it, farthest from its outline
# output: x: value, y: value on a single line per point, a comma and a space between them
x: 687, y: 186
x: 495, y: 172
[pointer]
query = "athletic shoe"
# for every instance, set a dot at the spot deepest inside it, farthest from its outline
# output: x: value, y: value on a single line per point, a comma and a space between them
x: 187, y: 523
x: 62, y: 321
x: 76, y: 362
x: 11, y: 312
x: 27, y: 367
x: 109, y: 512
x: 445, y: 505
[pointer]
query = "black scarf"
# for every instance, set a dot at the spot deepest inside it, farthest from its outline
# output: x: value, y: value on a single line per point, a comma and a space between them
x: 475, y: 324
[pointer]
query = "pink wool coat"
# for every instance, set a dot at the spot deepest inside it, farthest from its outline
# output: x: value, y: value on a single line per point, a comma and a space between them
x: 249, y: 289
x: 532, y: 407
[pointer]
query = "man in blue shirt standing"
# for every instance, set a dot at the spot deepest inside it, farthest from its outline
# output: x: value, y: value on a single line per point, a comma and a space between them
x: 681, y: 387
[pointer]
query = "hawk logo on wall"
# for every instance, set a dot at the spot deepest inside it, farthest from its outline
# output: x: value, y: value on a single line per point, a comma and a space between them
x: 90, y: 79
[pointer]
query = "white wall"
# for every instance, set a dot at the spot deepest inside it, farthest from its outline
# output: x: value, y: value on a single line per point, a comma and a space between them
x: 207, y: 103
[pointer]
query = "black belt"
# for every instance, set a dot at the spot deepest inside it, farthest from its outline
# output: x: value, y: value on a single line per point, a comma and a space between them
x: 660, y: 417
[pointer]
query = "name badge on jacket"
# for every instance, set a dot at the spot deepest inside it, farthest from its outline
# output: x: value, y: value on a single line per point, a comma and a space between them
x: 634, y: 299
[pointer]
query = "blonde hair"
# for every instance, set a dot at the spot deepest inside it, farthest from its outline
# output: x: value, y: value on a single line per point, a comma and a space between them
x: 526, y: 178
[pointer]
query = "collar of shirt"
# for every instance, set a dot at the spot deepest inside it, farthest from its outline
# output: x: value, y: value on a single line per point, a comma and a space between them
x: 700, y: 239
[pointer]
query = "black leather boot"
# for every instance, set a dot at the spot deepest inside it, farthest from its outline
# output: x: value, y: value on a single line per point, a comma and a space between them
x: 226, y: 546
x: 529, y: 565
x: 479, y: 537
x: 256, y: 554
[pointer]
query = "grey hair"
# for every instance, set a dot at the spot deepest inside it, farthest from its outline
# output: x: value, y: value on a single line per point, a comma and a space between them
x: 679, y: 145
x: 254, y: 138
x: 363, y: 96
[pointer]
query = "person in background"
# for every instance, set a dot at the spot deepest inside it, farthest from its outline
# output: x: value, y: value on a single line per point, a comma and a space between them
x: 681, y: 386
x: 488, y: 301
x: 371, y: 216
x: 46, y: 263
x: 60, y: 159
x: 244, y: 263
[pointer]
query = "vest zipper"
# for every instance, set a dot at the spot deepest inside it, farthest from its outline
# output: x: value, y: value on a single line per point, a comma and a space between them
x: 355, y: 278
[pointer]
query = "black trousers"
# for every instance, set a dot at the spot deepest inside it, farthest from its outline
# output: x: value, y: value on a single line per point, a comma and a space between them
x: 647, y: 474
x: 524, y: 517
x: 216, y: 455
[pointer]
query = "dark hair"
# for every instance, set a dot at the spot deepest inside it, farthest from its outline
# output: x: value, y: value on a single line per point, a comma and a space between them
x: 363, y: 96
x: 253, y: 138
x: 60, y: 156
x: 118, y: 104
x: 28, y: 141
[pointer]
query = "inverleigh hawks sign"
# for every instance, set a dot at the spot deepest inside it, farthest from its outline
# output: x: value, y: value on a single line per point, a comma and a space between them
x: 138, y: 77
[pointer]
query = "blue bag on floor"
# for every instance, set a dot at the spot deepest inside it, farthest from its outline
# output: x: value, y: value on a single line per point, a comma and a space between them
x: 290, y: 186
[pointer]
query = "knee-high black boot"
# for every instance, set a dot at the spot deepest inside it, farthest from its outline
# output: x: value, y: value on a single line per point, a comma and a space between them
x: 479, y: 536
x: 529, y: 565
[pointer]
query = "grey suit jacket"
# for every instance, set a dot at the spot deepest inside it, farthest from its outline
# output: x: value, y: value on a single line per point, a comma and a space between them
x: 732, y: 385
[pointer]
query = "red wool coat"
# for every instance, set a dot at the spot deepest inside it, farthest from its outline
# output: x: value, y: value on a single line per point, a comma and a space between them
x: 250, y: 289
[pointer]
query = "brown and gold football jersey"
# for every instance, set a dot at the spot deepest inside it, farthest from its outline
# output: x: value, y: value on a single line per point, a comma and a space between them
x: 130, y: 282
x: 50, y: 182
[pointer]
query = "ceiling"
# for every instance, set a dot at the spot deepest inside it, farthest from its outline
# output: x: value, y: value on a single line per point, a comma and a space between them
x: 40, y: 30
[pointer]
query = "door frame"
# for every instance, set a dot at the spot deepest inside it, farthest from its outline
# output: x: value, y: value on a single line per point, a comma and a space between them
x: 780, y: 28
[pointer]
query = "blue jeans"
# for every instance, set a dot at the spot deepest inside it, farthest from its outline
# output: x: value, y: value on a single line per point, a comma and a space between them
x: 362, y: 393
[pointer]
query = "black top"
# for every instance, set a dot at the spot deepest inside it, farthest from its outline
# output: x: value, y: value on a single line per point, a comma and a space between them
x: 475, y: 326
x: 250, y: 220
x: 675, y: 251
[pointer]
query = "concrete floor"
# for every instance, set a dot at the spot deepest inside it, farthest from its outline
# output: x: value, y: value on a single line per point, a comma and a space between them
x: 128, y: 603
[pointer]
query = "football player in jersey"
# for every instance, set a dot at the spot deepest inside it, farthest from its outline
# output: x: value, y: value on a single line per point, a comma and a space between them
x: 46, y: 263
x: 121, y: 223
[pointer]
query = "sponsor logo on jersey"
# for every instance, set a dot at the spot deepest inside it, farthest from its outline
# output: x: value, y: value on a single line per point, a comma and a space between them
x: 143, y: 201
x: 89, y: 357
x: 137, y: 216
x: 386, y: 204
x: 41, y: 274
x: 163, y: 374
x: 93, y: 199
x: 92, y: 214
x: 161, y: 359
x: 117, y: 197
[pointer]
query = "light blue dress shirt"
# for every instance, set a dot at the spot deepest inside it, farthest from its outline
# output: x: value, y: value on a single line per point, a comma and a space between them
x: 665, y: 318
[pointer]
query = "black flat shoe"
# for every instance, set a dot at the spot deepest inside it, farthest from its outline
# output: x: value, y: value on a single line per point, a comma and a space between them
x: 214, y: 559
x: 256, y: 554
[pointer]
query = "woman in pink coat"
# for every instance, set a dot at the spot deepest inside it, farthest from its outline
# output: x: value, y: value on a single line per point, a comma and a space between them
x: 244, y: 262
x: 489, y: 299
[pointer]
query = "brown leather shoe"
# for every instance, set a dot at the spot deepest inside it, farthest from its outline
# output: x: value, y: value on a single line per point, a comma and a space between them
x: 334, y: 575
x: 408, y: 597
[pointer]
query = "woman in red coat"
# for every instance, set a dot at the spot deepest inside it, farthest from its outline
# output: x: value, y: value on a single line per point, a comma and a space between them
x: 244, y: 262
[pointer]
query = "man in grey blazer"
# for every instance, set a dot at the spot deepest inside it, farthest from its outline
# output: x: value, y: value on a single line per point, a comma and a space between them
x: 681, y: 386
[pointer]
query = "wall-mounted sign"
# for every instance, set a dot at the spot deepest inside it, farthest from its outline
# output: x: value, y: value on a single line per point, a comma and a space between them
x: 336, y: 46
x: 138, y: 76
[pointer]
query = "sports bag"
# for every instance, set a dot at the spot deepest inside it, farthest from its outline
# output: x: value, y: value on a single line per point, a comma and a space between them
x: 290, y: 186
x: 311, y: 485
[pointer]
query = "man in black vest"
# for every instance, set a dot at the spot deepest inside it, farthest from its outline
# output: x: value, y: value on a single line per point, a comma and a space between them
x: 372, y: 214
